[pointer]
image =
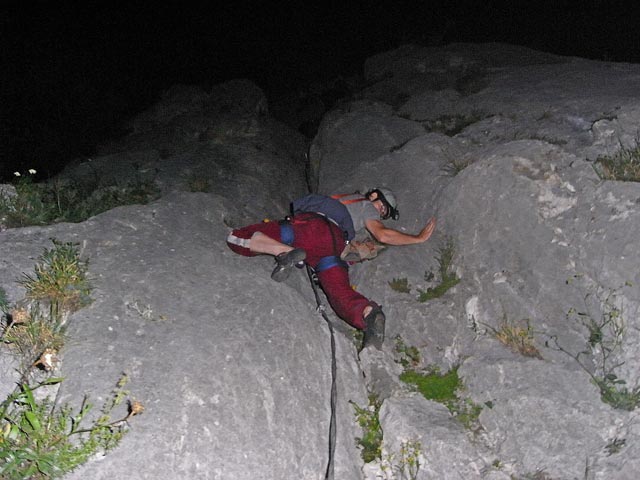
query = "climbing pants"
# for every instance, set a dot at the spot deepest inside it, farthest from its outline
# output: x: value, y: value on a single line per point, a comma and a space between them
x: 319, y: 238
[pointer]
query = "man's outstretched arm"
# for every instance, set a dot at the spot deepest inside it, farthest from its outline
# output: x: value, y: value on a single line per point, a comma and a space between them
x: 390, y: 236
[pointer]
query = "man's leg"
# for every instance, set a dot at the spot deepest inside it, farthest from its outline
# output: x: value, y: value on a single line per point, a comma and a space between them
x: 345, y: 301
x: 261, y: 243
x: 263, y: 239
x: 353, y: 307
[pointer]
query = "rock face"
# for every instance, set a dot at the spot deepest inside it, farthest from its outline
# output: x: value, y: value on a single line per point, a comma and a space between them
x: 498, y: 143
x: 537, y: 234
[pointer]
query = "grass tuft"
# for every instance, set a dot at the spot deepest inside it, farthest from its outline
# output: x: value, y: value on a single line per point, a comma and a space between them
x: 518, y: 337
x: 434, y: 386
x: 624, y: 165
x: 38, y: 438
x: 445, y: 389
x: 407, y: 356
x: 448, y: 278
x: 451, y: 125
x: 60, y: 280
x: 400, y: 285
x: 371, y: 440
x: 46, y: 203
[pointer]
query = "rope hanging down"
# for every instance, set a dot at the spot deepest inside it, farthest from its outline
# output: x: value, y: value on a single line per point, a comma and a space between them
x: 332, y: 423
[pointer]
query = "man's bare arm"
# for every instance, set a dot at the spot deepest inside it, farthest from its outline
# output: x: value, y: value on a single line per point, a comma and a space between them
x: 390, y: 236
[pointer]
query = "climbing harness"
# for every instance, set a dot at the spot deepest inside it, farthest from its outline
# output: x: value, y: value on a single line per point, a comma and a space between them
x: 286, y: 231
x: 287, y: 237
x: 328, y: 262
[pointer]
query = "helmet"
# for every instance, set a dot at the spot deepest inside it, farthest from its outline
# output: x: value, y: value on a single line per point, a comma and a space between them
x: 389, y: 199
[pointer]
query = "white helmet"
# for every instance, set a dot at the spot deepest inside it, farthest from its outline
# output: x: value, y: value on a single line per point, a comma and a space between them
x: 389, y: 199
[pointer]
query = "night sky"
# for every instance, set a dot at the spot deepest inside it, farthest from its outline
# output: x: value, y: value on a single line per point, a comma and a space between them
x: 73, y: 72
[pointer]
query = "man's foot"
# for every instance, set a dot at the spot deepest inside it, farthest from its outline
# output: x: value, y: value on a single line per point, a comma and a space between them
x: 374, y: 328
x: 285, y: 262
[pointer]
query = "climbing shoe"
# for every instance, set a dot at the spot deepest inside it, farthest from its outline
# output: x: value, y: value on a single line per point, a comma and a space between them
x: 285, y: 262
x: 374, y: 328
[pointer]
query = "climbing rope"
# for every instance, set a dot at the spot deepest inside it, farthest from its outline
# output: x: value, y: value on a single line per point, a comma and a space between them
x: 313, y: 278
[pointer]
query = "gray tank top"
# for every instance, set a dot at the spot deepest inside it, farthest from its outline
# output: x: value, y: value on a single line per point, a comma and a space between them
x: 360, y: 211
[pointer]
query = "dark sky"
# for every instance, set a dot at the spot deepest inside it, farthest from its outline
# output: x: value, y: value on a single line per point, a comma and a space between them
x: 73, y: 71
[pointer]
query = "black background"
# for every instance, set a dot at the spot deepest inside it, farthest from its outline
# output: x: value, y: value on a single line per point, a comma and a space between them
x: 72, y: 72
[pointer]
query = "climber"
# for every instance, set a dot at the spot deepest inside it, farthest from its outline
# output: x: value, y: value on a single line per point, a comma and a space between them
x: 316, y: 234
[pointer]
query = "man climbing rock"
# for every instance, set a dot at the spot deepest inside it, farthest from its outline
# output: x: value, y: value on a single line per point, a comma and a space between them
x: 316, y: 234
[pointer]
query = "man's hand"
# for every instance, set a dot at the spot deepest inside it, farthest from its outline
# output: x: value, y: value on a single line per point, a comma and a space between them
x: 426, y: 232
x: 390, y: 236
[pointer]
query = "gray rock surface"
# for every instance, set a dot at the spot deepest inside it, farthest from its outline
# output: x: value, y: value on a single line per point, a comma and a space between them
x: 234, y: 370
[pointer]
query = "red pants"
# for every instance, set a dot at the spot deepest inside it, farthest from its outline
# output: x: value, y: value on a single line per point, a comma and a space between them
x: 318, y: 238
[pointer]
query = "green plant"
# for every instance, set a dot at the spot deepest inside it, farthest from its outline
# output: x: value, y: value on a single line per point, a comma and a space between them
x: 451, y: 125
x: 367, y: 418
x: 33, y: 337
x: 518, y: 338
x: 408, y: 356
x: 4, y: 302
x: 545, y: 138
x: 433, y: 385
x: 467, y: 413
x: 448, y: 278
x: 615, y: 446
x: 404, y: 464
x: 537, y: 475
x: 26, y: 206
x: 358, y: 338
x: 456, y: 165
x: 39, y: 440
x: 197, y: 183
x: 400, y: 285
x: 445, y: 388
x: 606, y: 335
x: 624, y: 165
x: 60, y: 283
x: 57, y: 201
x: 60, y: 279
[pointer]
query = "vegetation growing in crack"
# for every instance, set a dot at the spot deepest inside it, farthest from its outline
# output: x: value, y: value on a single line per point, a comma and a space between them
x: 404, y: 464
x: 371, y: 440
x: 433, y: 385
x: 606, y: 334
x: 448, y: 277
x: 38, y: 438
x: 400, y: 285
x: 197, y: 182
x: 518, y: 336
x: 615, y: 446
x: 4, y: 302
x: 455, y: 165
x: 401, y: 465
x: 59, y: 280
x: 451, y: 125
x: 624, y: 165
x: 537, y: 475
x: 407, y: 356
x: 35, y: 329
x: 45, y: 203
x: 444, y: 388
